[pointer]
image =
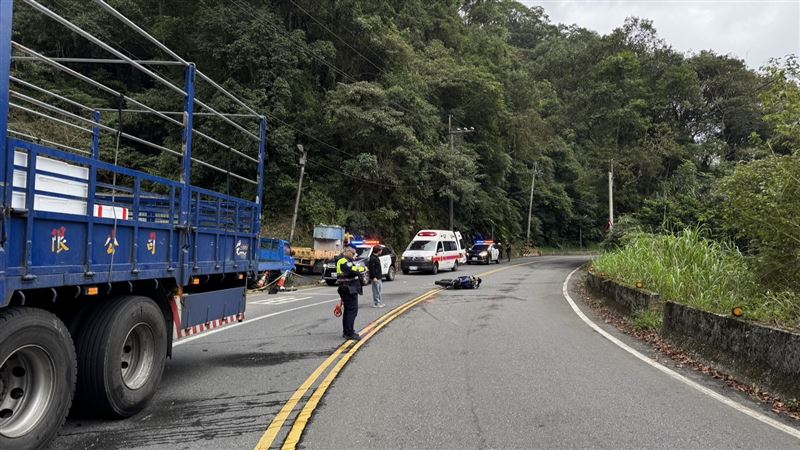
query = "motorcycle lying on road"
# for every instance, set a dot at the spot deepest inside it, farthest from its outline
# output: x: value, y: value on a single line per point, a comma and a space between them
x: 463, y: 282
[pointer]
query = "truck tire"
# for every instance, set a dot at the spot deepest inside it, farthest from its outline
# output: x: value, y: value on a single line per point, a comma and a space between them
x: 37, y: 377
x: 121, y: 352
x: 391, y: 274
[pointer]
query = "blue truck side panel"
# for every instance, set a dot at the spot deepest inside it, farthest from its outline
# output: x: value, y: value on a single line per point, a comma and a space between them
x: 157, y: 228
x: 49, y: 249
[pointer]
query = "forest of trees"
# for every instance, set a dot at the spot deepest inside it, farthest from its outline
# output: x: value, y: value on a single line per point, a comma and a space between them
x: 367, y: 88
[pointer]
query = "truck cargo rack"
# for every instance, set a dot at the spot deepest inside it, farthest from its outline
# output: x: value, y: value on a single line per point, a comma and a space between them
x: 73, y: 219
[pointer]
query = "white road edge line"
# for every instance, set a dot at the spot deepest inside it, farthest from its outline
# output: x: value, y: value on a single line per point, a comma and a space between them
x: 247, y: 321
x: 675, y: 375
x: 264, y: 293
x: 277, y: 301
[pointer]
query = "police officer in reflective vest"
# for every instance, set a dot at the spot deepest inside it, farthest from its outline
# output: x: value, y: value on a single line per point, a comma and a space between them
x: 348, y: 275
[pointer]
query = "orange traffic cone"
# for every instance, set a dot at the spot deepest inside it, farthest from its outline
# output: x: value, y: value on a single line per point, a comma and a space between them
x: 262, y: 281
x: 281, y: 282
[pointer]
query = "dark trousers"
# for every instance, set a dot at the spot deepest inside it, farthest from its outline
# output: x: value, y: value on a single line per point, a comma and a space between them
x: 350, y: 310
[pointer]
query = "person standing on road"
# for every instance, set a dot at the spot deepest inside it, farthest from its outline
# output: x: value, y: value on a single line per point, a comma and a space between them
x: 508, y: 251
x: 376, y: 275
x: 348, y: 275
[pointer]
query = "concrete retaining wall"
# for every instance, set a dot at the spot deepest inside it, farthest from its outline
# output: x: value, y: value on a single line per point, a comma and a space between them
x: 628, y: 298
x: 754, y: 353
x: 763, y: 355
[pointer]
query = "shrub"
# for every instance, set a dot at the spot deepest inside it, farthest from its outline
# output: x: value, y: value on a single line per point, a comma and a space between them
x: 706, y: 274
x: 761, y: 208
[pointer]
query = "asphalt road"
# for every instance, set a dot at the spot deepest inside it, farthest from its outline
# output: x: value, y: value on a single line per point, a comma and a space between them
x: 508, y: 365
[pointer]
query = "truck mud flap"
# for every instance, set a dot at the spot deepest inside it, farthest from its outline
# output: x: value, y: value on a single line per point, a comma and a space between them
x: 205, y: 309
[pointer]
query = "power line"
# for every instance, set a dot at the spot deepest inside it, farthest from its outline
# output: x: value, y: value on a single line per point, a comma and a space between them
x: 309, y: 52
x: 303, y: 48
x: 272, y: 117
x: 246, y: 9
x: 156, y: 74
x: 382, y: 71
x: 377, y: 183
x: 354, y: 36
x: 337, y: 36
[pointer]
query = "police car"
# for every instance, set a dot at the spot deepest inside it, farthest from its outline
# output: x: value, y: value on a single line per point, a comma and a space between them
x: 483, y: 252
x: 363, y: 252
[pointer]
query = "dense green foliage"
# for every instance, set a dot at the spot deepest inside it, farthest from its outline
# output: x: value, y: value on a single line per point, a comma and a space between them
x: 700, y: 272
x: 761, y: 206
x: 367, y: 87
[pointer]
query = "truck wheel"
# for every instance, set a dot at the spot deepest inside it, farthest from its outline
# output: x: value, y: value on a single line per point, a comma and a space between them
x: 331, y: 282
x: 435, y: 269
x: 121, y: 353
x: 391, y: 274
x: 37, y: 377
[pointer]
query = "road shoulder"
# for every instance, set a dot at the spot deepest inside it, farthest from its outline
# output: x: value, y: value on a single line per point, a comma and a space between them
x: 682, y: 361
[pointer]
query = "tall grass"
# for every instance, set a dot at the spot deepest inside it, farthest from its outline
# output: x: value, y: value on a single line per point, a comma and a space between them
x: 703, y: 273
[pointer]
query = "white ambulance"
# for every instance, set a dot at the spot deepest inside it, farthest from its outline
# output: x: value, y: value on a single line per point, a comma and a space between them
x: 432, y: 251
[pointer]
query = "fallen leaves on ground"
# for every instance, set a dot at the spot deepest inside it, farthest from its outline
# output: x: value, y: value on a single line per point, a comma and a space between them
x: 683, y: 359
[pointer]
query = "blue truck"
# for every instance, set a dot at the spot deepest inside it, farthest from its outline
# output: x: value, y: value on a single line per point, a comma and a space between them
x: 103, y: 267
x: 275, y: 255
x: 275, y: 260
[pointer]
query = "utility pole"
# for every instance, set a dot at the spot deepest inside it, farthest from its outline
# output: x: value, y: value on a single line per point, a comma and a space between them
x: 530, y: 205
x: 452, y: 150
x: 299, y: 188
x: 451, y: 133
x: 611, y: 197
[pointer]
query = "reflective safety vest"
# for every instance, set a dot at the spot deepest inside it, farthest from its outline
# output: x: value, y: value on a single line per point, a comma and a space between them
x: 346, y: 270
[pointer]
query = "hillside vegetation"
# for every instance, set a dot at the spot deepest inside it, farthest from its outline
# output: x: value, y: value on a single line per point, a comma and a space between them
x: 367, y: 87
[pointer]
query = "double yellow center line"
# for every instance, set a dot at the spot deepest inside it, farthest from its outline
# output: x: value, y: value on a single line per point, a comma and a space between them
x: 348, y: 349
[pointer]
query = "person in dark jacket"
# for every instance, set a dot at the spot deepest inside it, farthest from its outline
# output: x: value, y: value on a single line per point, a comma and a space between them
x: 348, y: 275
x: 376, y: 275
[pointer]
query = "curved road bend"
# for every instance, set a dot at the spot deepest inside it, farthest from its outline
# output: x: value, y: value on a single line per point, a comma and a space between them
x: 512, y: 366
x: 221, y: 390
x: 508, y: 365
